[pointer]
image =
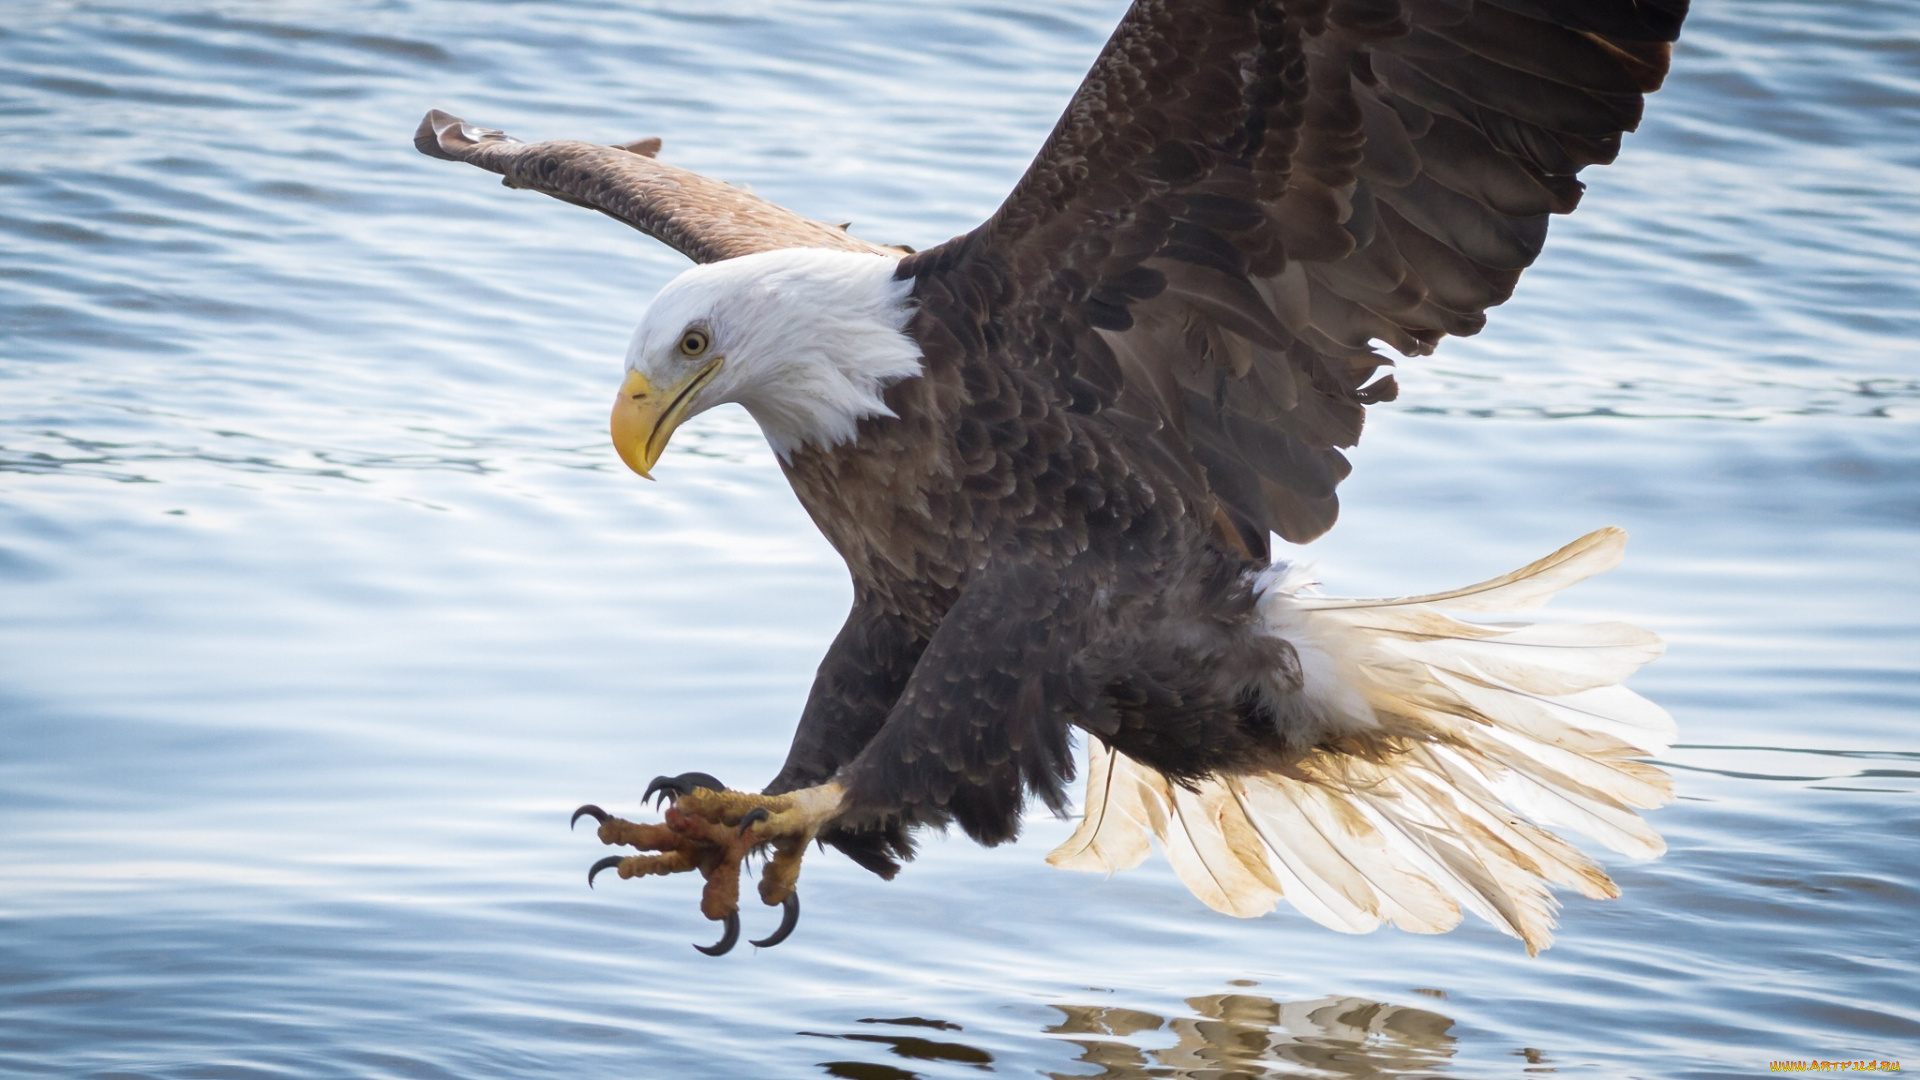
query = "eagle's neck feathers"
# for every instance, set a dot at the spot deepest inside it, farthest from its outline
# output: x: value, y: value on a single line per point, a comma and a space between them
x: 810, y: 339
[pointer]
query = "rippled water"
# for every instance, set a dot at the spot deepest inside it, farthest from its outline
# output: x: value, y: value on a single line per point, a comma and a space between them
x: 322, y: 600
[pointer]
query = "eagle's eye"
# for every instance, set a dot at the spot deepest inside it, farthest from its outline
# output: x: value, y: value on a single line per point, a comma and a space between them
x: 694, y: 342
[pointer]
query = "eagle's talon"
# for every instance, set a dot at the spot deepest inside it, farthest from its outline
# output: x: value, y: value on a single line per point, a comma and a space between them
x: 789, y: 918
x: 672, y: 787
x: 758, y: 813
x: 589, y: 810
x: 716, y: 831
x: 661, y: 786
x: 607, y: 863
x: 727, y: 940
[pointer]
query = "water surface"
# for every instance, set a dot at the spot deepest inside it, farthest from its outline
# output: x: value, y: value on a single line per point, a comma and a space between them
x: 322, y: 600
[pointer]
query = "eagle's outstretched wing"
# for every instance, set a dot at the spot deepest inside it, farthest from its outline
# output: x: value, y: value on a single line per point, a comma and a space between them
x: 1244, y: 195
x: 702, y: 218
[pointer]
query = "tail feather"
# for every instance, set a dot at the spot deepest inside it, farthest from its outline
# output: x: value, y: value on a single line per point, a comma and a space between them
x: 1113, y: 832
x: 1540, y: 851
x: 1435, y: 741
x: 1333, y: 841
x: 1522, y: 590
x: 1553, y: 799
x: 1216, y: 852
x: 1444, y: 854
x: 1606, y: 722
x: 1538, y: 659
x: 1313, y: 873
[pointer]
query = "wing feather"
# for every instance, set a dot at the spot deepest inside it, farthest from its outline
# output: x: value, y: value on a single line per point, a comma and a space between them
x: 1310, y: 181
x: 702, y: 218
x: 1313, y: 179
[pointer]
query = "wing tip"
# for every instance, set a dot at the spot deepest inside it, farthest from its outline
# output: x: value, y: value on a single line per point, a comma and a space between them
x: 447, y: 137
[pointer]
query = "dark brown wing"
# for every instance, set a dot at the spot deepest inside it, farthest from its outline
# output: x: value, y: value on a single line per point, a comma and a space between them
x: 702, y: 218
x: 1244, y: 196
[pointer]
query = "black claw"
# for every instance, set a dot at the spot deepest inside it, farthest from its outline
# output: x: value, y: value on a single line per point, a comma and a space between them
x: 758, y: 813
x: 672, y: 787
x: 607, y: 863
x: 659, y: 786
x: 592, y: 811
x: 789, y: 918
x: 727, y: 940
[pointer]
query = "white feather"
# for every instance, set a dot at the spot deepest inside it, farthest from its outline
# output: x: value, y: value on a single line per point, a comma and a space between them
x: 1216, y: 852
x: 1522, y: 590
x: 809, y: 339
x: 1113, y: 830
x: 1464, y: 733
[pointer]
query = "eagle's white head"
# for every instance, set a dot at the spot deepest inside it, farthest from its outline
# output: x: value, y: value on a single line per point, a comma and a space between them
x: 806, y: 339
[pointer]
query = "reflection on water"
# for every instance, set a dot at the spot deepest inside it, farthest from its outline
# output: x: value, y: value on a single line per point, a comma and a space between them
x: 1232, y: 1036
x: 911, y: 1047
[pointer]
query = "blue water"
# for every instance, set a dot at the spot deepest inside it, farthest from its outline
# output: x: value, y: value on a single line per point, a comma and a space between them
x: 323, y: 600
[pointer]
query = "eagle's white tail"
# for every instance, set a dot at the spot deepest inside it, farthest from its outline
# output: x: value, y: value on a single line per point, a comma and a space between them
x: 1434, y: 736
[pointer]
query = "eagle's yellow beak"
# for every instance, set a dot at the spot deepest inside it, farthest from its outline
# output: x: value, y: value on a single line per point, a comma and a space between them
x: 644, y: 417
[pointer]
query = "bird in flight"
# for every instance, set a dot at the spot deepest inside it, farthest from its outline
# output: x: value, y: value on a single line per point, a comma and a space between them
x: 1054, y: 453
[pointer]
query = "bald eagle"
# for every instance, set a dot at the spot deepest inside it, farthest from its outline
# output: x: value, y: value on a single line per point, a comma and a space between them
x: 1054, y: 452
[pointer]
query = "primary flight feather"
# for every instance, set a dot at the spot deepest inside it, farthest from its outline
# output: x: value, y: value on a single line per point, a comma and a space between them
x: 1053, y: 453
